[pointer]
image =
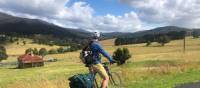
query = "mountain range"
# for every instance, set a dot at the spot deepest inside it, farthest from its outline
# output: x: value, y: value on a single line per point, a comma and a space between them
x: 27, y: 26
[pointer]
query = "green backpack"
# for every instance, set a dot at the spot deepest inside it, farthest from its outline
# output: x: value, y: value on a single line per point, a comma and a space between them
x: 81, y: 81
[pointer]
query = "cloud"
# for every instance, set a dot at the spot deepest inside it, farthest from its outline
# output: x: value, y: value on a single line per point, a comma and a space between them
x: 78, y: 15
x: 127, y: 22
x: 147, y: 14
x: 183, y: 13
x: 45, y: 8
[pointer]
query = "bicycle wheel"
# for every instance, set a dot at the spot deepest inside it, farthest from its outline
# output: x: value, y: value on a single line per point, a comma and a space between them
x: 115, y: 80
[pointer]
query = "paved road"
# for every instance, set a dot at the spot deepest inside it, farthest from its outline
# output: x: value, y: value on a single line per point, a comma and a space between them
x: 190, y: 85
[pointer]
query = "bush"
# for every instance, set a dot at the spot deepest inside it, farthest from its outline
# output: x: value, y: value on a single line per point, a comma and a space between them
x: 3, y: 54
x: 121, y: 55
x: 24, y: 42
x: 53, y: 51
x: 163, y: 39
x: 60, y: 50
x: 35, y: 51
x: 43, y: 52
x: 148, y: 43
x: 195, y: 34
x: 2, y: 49
x: 29, y: 50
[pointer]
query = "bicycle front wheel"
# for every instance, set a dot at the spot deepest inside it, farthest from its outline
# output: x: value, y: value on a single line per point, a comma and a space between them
x: 115, y: 80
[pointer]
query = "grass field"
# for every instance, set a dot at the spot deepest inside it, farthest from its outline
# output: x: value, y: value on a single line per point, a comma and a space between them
x: 149, y: 67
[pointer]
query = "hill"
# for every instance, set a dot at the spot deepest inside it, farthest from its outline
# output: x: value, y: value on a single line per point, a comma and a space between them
x: 112, y: 35
x: 25, y: 26
x: 11, y: 24
x: 159, y: 30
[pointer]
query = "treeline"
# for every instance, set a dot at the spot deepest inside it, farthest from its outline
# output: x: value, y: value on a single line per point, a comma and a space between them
x: 160, y: 38
x: 7, y: 39
x: 44, y: 51
x: 196, y: 33
x: 52, y: 40
x: 3, y: 53
x: 43, y: 39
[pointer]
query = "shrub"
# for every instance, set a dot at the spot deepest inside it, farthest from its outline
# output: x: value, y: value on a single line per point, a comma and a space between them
x: 163, y: 39
x: 195, y: 34
x: 3, y: 54
x: 24, y: 42
x: 61, y: 50
x: 43, y: 52
x: 28, y: 50
x: 35, y: 51
x: 53, y: 51
x: 148, y: 43
x: 121, y: 55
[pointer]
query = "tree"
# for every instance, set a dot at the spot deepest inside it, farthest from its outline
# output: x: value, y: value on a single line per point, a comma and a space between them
x: 43, y: 52
x: 163, y: 39
x: 61, y: 50
x: 28, y: 50
x: 3, y: 54
x: 121, y: 55
x: 75, y: 47
x: 35, y: 51
x: 53, y: 51
x: 148, y: 43
x: 24, y: 42
x: 3, y: 38
x: 149, y: 37
x: 11, y: 40
x: 195, y: 34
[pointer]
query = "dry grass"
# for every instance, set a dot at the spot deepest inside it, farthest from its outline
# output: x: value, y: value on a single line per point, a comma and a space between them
x: 172, y: 50
x: 41, y: 82
x: 14, y: 49
x: 54, y: 75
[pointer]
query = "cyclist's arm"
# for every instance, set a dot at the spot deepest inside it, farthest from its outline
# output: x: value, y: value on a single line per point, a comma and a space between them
x: 103, y: 52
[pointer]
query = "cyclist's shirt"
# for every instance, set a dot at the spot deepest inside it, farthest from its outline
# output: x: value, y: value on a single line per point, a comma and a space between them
x: 97, y: 49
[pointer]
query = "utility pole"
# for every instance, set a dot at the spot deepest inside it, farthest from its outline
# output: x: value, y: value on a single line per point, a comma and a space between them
x: 184, y: 44
x: 184, y: 34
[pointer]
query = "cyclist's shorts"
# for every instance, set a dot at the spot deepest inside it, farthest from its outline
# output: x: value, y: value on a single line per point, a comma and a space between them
x: 100, y: 70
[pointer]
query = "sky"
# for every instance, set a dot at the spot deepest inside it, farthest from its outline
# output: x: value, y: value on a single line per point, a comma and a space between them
x: 108, y: 15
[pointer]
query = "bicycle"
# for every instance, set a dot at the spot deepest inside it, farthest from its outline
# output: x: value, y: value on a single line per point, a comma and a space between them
x: 114, y: 78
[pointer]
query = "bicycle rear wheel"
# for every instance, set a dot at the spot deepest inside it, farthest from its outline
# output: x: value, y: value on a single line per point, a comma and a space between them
x: 115, y: 80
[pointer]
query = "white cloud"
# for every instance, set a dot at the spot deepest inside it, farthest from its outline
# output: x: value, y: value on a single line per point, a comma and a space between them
x: 127, y: 22
x: 147, y: 14
x: 45, y: 8
x: 183, y: 13
x: 78, y: 15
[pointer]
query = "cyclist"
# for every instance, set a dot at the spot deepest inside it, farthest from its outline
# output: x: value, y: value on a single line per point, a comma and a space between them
x: 96, y: 65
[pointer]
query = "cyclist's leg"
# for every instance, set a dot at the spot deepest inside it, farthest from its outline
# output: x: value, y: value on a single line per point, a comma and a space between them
x: 102, y: 72
x: 91, y: 70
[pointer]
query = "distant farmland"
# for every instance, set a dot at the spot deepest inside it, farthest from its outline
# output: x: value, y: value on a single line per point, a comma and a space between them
x: 149, y: 67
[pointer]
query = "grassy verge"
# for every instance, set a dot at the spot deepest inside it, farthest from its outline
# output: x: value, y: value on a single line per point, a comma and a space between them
x: 159, y: 74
